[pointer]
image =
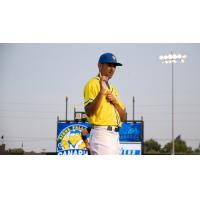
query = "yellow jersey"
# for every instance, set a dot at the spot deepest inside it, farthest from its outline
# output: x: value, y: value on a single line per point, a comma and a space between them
x: 106, y: 114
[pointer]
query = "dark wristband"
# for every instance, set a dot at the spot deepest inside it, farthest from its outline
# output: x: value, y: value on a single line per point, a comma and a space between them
x: 84, y: 137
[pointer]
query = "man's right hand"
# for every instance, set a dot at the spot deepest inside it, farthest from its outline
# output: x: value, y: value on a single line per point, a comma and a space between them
x: 103, y: 86
x: 92, y: 108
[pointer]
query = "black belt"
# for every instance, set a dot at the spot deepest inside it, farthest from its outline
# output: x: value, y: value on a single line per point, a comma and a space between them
x: 109, y: 128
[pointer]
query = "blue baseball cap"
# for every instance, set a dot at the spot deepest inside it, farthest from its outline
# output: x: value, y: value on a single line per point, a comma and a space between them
x: 109, y: 58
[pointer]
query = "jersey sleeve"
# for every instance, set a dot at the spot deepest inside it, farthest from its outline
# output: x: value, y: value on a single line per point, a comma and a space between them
x: 89, y: 93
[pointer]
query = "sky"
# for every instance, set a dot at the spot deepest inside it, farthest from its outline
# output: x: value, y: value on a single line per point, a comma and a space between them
x: 36, y: 78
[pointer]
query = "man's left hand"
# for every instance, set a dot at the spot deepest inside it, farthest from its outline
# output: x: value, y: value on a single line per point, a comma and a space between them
x: 111, y: 98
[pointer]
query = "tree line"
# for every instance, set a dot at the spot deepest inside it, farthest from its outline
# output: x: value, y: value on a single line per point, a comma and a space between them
x: 151, y: 146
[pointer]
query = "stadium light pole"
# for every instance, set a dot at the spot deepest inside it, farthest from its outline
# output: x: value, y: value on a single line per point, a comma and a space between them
x: 172, y: 59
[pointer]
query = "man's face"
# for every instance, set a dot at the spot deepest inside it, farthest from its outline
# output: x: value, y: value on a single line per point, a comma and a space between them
x: 107, y: 70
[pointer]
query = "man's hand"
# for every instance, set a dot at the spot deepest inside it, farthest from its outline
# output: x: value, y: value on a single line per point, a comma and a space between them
x: 103, y: 86
x: 92, y: 108
x: 111, y: 98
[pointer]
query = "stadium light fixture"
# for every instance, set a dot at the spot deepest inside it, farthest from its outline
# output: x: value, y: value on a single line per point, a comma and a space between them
x: 172, y: 59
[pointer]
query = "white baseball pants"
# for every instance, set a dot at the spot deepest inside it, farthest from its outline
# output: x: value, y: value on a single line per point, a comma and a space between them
x: 104, y: 142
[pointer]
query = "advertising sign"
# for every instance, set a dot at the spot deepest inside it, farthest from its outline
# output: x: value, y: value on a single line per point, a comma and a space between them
x: 131, y: 148
x: 131, y: 132
x: 69, y: 140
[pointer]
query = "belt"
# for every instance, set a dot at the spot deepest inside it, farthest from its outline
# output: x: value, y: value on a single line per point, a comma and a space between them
x: 109, y: 128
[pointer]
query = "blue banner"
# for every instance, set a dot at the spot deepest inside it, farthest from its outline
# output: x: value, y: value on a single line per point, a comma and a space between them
x: 69, y: 140
x: 130, y: 132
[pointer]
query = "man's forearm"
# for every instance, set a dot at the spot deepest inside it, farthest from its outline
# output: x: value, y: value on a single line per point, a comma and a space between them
x: 92, y: 108
x: 120, y: 111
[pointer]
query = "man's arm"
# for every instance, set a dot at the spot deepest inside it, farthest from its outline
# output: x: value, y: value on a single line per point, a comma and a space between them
x: 92, y: 108
x: 120, y: 111
x: 111, y: 98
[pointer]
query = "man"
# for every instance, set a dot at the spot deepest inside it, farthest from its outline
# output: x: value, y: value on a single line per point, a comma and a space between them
x: 104, y: 109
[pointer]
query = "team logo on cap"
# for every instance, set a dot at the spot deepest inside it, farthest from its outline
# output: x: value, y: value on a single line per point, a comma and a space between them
x: 113, y: 57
